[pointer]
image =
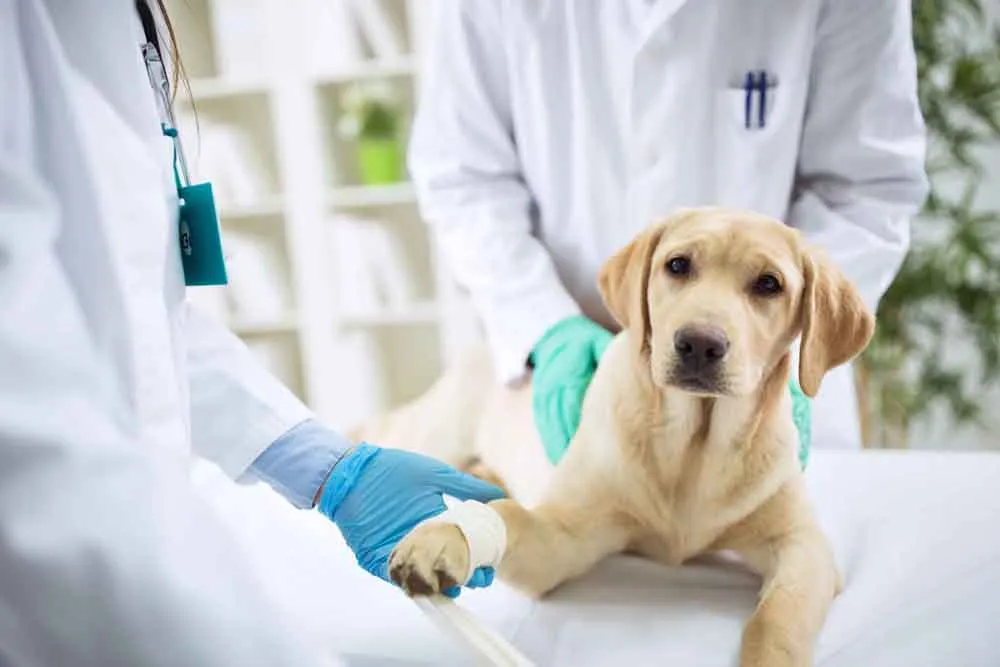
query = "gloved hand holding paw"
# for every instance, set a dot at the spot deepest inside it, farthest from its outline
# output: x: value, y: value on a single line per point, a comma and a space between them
x: 377, y: 496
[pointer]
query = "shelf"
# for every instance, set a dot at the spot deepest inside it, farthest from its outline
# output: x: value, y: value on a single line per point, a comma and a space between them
x: 286, y: 324
x: 364, y: 196
x: 370, y: 69
x: 230, y: 141
x: 424, y: 313
x: 330, y: 277
x: 267, y: 207
x: 215, y: 88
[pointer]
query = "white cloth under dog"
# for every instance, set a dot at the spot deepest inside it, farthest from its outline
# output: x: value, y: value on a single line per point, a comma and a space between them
x: 914, y: 534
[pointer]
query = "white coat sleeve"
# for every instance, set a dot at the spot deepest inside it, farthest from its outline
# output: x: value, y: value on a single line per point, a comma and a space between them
x: 238, y: 408
x: 107, y: 555
x: 861, y: 165
x: 464, y: 164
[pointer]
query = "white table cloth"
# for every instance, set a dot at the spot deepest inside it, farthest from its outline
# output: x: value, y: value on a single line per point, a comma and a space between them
x: 916, y: 534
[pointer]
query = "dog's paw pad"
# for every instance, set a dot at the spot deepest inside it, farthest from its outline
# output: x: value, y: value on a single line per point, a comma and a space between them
x: 432, y: 559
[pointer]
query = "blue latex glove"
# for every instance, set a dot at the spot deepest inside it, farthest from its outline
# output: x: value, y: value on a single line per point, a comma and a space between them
x: 376, y: 496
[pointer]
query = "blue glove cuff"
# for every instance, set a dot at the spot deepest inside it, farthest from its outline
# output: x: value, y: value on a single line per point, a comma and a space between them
x: 343, y: 477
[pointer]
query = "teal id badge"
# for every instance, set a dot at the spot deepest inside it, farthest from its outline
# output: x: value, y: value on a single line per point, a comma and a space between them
x: 200, y: 237
x: 199, y: 234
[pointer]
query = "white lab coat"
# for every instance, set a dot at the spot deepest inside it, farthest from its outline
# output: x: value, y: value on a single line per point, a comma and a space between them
x: 107, y: 379
x: 549, y: 133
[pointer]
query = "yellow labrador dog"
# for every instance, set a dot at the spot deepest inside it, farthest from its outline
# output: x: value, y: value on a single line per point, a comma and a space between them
x: 686, y: 444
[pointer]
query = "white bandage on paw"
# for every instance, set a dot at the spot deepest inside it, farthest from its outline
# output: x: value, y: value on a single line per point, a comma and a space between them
x: 484, y: 530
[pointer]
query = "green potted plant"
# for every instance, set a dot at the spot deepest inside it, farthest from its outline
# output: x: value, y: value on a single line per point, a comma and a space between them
x: 371, y: 117
x: 947, y: 293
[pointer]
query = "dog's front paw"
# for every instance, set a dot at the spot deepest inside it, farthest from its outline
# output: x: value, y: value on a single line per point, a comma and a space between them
x: 431, y: 559
x: 770, y: 644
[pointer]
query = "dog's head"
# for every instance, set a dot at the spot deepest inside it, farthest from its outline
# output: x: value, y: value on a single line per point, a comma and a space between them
x: 715, y: 297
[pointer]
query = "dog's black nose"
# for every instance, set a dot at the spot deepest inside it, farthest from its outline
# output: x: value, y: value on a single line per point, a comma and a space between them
x: 700, y: 347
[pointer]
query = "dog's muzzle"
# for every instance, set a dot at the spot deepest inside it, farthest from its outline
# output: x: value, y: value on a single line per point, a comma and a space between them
x: 700, y: 351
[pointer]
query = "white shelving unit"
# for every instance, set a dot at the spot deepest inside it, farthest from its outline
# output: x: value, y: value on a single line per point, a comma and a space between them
x: 254, y: 69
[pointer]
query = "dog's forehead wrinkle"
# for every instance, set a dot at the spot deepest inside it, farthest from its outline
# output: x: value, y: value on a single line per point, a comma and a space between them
x: 733, y: 243
x: 762, y: 258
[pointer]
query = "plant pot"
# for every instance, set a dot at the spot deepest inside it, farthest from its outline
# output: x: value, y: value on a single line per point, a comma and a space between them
x: 380, y: 160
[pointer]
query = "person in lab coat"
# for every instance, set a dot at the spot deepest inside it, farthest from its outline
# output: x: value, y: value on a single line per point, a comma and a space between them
x: 108, y: 379
x: 549, y: 133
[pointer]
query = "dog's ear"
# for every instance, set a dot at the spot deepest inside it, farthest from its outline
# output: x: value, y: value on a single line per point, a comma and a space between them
x: 624, y: 281
x: 836, y: 323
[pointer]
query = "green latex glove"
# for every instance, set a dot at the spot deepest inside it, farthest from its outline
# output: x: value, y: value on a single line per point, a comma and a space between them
x: 802, y: 416
x: 565, y: 360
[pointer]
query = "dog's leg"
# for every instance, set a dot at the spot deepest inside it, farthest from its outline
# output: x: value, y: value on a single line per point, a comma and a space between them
x: 477, y: 468
x: 800, y: 582
x: 783, y: 543
x: 556, y: 542
x: 546, y: 546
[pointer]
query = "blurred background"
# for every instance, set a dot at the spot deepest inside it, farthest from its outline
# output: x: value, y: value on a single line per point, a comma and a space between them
x: 302, y: 110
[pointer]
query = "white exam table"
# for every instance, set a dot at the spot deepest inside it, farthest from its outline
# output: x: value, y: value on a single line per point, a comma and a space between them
x: 916, y: 534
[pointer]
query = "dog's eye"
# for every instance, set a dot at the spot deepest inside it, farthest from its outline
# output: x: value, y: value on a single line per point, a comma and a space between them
x: 679, y: 266
x: 767, y: 284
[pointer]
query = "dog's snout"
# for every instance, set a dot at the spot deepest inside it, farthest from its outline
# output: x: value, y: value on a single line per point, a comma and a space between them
x: 700, y: 347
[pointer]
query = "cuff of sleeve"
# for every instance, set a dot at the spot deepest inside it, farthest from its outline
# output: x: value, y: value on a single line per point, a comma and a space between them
x: 514, y: 331
x: 298, y: 463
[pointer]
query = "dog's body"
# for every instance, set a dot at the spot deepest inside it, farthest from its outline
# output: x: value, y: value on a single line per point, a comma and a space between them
x: 686, y: 444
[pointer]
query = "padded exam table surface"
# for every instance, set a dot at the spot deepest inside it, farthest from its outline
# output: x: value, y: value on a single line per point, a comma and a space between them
x: 916, y: 536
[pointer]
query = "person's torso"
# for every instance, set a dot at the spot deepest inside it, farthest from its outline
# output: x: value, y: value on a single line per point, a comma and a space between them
x: 100, y: 147
x: 624, y: 111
